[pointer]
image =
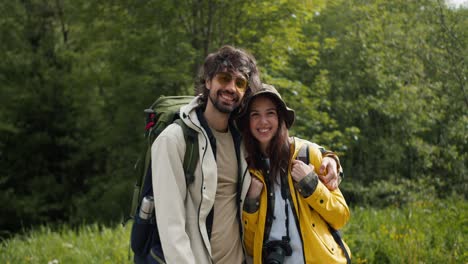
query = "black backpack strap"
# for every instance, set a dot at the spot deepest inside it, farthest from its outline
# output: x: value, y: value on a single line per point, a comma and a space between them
x: 303, y: 155
x: 337, y: 236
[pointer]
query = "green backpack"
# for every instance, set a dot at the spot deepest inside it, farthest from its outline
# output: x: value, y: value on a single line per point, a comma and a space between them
x: 163, y: 112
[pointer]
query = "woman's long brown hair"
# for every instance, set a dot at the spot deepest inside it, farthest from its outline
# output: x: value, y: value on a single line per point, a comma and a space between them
x: 278, y: 149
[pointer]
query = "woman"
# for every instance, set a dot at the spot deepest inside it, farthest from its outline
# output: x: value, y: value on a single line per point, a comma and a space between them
x: 289, y: 214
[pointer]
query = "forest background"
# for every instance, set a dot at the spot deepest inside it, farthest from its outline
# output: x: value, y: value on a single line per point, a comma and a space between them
x: 382, y: 83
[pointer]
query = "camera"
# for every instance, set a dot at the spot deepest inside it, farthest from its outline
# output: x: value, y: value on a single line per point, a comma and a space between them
x: 275, y: 251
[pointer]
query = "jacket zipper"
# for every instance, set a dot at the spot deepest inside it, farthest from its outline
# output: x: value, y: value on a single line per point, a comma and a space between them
x: 202, y: 180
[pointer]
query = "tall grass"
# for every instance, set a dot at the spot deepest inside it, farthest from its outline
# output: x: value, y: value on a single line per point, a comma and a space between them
x: 428, y: 231
x: 89, y: 244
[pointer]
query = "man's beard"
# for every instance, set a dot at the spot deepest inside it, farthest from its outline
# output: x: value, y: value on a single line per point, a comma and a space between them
x: 227, y: 109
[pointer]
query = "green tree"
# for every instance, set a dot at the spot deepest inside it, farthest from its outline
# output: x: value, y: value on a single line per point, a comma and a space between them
x: 390, y: 75
x: 45, y: 153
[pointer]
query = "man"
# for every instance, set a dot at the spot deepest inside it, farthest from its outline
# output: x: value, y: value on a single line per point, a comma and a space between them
x: 200, y: 223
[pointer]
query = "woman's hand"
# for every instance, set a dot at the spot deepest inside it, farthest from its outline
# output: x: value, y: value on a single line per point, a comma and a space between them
x: 300, y: 170
x: 255, y: 189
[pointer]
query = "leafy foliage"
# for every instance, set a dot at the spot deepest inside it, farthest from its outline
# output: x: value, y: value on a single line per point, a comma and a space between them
x: 383, y: 83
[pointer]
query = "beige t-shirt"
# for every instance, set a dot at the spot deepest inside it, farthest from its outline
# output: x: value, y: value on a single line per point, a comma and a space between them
x: 226, y: 244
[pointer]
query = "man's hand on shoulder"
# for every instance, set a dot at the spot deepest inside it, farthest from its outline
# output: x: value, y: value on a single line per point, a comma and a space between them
x: 331, y: 179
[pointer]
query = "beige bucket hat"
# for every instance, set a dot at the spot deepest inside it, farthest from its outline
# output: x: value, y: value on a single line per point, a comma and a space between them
x: 270, y: 91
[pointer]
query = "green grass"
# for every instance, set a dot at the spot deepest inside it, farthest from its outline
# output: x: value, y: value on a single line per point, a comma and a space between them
x: 90, y: 244
x: 430, y: 231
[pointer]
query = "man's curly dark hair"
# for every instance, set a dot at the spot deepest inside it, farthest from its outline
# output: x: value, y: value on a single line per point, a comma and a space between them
x: 230, y: 59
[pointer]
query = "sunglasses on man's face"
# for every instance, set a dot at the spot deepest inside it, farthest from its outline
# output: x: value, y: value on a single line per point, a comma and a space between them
x: 225, y: 78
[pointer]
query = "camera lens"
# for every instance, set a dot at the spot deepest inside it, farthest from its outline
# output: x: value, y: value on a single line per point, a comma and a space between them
x: 276, y: 256
x: 275, y: 251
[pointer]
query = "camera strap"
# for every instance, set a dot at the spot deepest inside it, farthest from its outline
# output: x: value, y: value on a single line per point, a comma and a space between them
x: 284, y: 195
x: 284, y: 190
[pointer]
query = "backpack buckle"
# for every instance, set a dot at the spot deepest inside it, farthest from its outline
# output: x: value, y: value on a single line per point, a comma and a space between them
x: 150, y: 119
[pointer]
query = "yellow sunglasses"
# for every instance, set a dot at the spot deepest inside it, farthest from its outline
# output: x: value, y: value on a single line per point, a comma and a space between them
x: 225, y: 78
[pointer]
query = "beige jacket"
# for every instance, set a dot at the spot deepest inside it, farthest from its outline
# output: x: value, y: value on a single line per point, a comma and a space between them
x: 181, y: 211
